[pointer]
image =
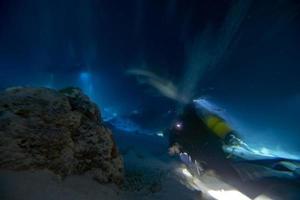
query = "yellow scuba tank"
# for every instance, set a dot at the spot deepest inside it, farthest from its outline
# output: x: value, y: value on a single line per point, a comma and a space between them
x: 217, y: 125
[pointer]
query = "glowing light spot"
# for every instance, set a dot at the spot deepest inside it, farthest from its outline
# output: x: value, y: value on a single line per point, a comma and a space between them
x: 186, y: 173
x: 263, y: 197
x: 265, y: 151
x: 85, y: 76
x: 207, y: 184
x: 160, y: 134
x: 178, y: 125
x: 227, y: 195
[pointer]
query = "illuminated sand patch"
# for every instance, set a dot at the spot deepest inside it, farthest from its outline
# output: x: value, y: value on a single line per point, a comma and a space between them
x: 210, y: 185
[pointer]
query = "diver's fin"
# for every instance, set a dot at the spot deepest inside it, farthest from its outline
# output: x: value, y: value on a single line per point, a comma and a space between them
x: 250, y: 172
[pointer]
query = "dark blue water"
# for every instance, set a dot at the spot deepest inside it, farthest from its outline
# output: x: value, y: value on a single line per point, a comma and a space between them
x: 243, y: 56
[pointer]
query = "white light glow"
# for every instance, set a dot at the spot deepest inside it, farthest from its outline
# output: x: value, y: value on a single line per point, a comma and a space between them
x: 206, y: 104
x: 187, y: 173
x: 227, y: 195
x: 178, y: 125
x: 207, y: 184
x: 160, y: 134
x: 263, y: 197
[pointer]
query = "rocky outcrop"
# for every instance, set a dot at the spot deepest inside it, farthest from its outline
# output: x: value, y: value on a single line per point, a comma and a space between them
x: 43, y: 128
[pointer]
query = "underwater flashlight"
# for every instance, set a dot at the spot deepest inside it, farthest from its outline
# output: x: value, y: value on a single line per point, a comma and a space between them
x: 178, y: 125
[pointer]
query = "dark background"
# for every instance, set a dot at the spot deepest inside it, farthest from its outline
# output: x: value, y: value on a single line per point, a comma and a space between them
x: 91, y: 44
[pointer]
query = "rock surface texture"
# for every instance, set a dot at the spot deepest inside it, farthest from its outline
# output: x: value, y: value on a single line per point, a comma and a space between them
x: 61, y: 131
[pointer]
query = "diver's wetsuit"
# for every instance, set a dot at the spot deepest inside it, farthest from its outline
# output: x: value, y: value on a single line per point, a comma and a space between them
x: 200, y: 143
x: 198, y: 140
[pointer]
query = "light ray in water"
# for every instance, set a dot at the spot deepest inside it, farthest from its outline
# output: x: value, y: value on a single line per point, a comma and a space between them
x: 208, y: 50
x: 85, y: 76
x: 86, y: 83
x: 163, y: 86
x: 227, y: 195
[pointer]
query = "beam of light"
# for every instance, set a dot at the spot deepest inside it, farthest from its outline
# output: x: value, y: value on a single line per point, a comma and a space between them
x: 263, y: 197
x: 186, y: 173
x: 164, y: 86
x: 208, y: 105
x: 209, y: 49
x: 86, y: 83
x: 85, y: 76
x: 227, y: 195
x: 211, y: 186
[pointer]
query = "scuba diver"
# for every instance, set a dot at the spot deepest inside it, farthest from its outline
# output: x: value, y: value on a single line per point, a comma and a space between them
x: 202, y: 136
x: 204, y: 141
x: 213, y: 153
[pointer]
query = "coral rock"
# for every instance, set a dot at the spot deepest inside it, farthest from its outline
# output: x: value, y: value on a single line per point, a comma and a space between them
x: 61, y: 131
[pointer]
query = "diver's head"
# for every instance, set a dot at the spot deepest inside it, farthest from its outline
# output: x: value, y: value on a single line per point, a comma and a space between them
x: 175, y: 149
